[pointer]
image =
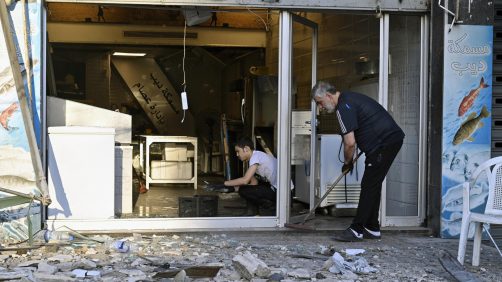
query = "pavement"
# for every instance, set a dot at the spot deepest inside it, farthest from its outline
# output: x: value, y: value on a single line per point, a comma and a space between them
x: 242, y: 256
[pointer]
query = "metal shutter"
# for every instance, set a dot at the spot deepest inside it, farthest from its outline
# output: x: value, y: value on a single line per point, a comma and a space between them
x: 497, y: 98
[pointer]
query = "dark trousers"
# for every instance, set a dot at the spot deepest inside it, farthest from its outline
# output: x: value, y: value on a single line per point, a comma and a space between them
x: 258, y: 194
x: 376, y: 167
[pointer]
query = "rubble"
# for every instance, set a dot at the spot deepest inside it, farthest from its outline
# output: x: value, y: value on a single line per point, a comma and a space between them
x: 240, y: 256
x: 249, y: 265
x: 300, y: 273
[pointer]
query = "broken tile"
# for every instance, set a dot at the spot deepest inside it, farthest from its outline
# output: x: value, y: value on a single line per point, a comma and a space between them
x: 132, y: 272
x: 248, y: 265
x: 61, y: 258
x: 52, y: 278
x: 300, y: 273
x: 11, y: 275
x: 354, y: 252
x: 79, y: 273
x: 29, y: 263
x: 93, y: 274
x: 44, y: 267
x: 180, y: 277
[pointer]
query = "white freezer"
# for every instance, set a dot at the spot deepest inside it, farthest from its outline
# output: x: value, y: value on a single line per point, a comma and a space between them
x: 328, y: 168
x: 81, y: 172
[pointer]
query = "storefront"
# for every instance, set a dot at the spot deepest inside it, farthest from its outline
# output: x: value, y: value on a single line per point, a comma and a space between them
x: 378, y: 49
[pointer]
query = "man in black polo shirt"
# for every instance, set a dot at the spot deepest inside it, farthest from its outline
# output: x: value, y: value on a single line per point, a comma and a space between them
x: 366, y: 123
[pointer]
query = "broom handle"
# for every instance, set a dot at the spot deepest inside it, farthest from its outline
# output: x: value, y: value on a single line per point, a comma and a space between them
x: 312, y: 211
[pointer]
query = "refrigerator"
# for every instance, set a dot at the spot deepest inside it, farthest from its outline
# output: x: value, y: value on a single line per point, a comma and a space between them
x: 329, y: 162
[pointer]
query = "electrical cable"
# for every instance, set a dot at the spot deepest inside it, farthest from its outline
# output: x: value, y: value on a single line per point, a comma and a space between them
x: 184, y: 74
x: 264, y: 23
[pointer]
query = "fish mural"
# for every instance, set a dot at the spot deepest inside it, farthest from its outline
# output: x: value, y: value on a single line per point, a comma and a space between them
x: 453, y: 200
x: 6, y: 114
x: 16, y: 167
x: 469, y: 126
x: 17, y: 183
x: 6, y: 81
x: 453, y: 225
x: 466, y: 129
x: 459, y: 163
x: 468, y: 100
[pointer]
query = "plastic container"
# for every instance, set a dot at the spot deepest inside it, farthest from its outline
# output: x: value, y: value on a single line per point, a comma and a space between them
x: 49, y: 236
x: 120, y: 246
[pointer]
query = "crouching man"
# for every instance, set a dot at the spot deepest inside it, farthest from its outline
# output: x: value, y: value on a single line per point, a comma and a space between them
x: 261, y: 192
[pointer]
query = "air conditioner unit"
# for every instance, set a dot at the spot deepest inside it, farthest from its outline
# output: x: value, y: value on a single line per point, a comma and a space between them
x: 196, y: 15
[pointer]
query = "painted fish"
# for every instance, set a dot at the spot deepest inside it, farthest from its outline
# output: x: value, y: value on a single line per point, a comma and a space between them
x: 6, y: 114
x: 469, y: 126
x: 468, y: 100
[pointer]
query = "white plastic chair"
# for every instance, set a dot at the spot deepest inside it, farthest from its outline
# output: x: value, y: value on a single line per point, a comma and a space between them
x: 493, y: 210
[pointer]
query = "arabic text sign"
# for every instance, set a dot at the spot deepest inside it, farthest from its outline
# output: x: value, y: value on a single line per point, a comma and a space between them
x: 466, y: 119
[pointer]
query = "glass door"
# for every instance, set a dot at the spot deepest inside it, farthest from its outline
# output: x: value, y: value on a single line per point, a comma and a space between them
x: 403, y: 92
x: 297, y: 77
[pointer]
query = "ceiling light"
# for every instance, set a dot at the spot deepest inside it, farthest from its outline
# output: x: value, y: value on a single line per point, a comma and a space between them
x: 127, y: 54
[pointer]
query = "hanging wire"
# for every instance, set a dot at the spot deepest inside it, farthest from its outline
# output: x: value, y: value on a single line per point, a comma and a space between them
x: 184, y: 74
x: 264, y: 23
x: 184, y: 54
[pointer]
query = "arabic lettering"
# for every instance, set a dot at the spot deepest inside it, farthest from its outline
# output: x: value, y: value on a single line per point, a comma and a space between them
x: 454, y: 46
x: 154, y: 112
x: 473, y: 68
x: 142, y: 92
x: 165, y: 92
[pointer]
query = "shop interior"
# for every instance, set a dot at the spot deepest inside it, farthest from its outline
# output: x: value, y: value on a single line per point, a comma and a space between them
x: 133, y: 83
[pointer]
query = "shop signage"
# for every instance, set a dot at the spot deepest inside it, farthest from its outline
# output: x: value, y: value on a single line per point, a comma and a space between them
x: 154, y: 93
x: 467, y: 96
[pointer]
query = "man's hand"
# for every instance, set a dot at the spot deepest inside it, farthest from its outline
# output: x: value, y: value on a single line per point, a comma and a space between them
x: 347, y: 167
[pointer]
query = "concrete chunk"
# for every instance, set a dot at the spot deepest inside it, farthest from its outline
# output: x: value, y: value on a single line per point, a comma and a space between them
x: 29, y: 263
x: 93, y: 273
x: 52, y: 278
x: 44, y: 267
x: 300, y: 273
x: 12, y: 275
x: 79, y: 273
x: 248, y: 265
x: 61, y: 258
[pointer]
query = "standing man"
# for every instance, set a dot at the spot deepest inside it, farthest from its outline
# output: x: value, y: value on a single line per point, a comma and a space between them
x: 366, y: 123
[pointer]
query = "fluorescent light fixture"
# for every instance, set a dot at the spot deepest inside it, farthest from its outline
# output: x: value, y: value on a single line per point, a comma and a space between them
x: 128, y: 54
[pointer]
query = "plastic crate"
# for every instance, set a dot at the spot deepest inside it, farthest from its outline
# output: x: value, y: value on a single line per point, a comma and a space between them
x: 198, y: 206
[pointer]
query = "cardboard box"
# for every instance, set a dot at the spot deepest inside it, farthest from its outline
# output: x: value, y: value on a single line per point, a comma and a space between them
x: 173, y: 152
x: 198, y: 206
x: 169, y: 170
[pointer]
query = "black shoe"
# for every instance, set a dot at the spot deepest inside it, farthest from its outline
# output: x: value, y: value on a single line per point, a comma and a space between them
x: 349, y: 235
x: 371, y: 234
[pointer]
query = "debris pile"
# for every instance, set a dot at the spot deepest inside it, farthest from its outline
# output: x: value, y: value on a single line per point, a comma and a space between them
x: 219, y: 257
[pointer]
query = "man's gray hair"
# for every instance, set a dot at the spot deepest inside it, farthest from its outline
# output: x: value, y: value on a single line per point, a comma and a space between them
x: 321, y: 88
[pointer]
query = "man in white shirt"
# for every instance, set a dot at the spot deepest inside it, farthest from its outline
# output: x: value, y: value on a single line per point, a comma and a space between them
x: 255, y: 192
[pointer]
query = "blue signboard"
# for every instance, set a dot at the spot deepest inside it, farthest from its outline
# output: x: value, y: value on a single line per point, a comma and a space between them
x: 467, y: 96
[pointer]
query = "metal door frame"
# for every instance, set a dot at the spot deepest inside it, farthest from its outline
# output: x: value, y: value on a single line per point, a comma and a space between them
x: 422, y: 146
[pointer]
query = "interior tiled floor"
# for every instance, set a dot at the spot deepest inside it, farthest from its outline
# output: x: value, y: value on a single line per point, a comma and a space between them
x: 163, y: 201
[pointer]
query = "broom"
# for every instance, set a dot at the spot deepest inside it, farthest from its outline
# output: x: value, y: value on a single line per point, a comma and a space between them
x: 302, y: 225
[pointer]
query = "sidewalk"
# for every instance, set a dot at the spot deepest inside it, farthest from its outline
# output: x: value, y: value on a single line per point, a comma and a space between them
x: 259, y: 256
